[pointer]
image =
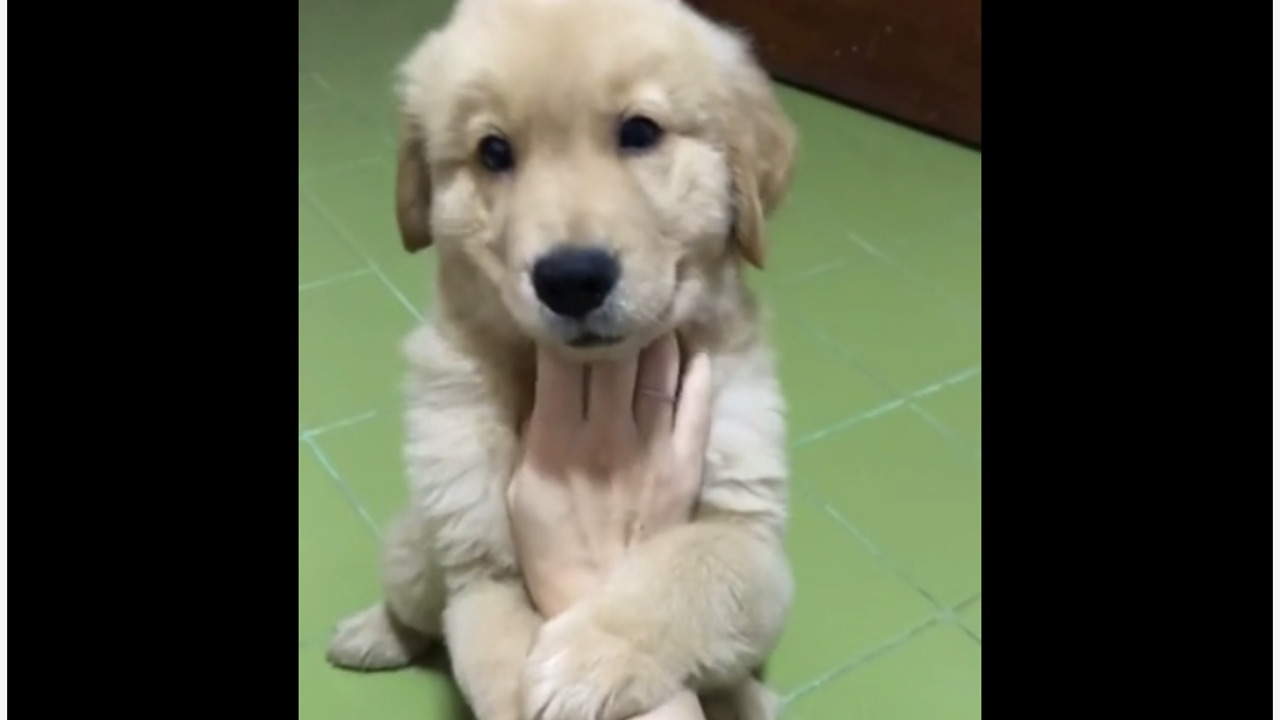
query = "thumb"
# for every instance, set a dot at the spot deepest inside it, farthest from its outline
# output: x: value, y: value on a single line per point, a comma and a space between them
x: 693, y: 410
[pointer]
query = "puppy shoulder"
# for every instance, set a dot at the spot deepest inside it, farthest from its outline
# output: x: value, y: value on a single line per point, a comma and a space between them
x: 747, y: 451
x: 459, y: 452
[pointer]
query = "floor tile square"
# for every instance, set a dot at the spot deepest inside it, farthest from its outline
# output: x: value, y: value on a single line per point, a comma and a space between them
x: 876, y: 319
x: 312, y: 91
x: 349, y: 360
x: 336, y: 136
x: 936, y: 675
x: 803, y: 237
x: 368, y: 455
x: 949, y: 262
x: 820, y: 388
x: 889, y: 184
x: 845, y: 602
x: 322, y: 253
x: 361, y: 200
x: 913, y: 493
x: 337, y: 552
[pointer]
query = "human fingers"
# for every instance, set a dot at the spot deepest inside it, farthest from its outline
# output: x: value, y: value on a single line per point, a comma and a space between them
x: 609, y: 392
x: 693, y: 410
x: 657, y: 382
x: 558, y: 396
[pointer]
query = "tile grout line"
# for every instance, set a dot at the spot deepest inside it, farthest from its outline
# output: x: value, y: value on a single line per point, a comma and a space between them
x: 815, y: 271
x: 879, y: 555
x: 798, y: 443
x: 960, y: 622
x: 892, y: 643
x: 319, y: 430
x: 875, y: 412
x: 942, y: 428
x: 316, y: 80
x: 377, y: 127
x: 863, y: 658
x: 964, y: 627
x: 916, y: 277
x: 373, y: 266
x: 343, y: 277
x: 331, y: 170
x: 843, y: 262
x: 319, y: 80
x: 343, y: 487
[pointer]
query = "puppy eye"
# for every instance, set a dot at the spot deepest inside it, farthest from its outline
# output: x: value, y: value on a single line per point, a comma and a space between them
x: 495, y: 154
x: 638, y: 133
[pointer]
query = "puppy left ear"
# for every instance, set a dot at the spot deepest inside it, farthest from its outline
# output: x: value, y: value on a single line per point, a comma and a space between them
x: 413, y: 177
x: 413, y: 188
x: 761, y: 148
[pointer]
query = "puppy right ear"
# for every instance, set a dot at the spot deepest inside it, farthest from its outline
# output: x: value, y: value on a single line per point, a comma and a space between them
x: 761, y: 147
x: 413, y: 188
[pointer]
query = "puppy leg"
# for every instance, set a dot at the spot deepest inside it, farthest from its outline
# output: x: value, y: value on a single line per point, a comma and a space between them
x: 489, y: 627
x: 392, y: 633
x: 698, y: 606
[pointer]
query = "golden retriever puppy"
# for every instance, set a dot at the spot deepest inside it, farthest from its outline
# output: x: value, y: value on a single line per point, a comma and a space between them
x: 593, y: 174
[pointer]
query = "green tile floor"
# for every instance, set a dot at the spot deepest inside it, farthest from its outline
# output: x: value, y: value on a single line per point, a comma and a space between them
x: 875, y: 283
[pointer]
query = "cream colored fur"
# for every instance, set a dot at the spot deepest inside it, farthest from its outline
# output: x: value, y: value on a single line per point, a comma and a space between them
x: 701, y: 605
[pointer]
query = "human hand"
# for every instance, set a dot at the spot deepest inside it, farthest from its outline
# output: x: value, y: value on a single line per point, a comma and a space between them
x: 613, y: 454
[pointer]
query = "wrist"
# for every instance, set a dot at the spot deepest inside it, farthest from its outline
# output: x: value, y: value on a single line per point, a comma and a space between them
x: 553, y: 593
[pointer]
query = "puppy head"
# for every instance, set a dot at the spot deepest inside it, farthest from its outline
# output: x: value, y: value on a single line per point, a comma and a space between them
x: 591, y: 170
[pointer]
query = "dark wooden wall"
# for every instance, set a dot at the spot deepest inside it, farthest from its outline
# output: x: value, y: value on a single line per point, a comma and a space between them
x: 917, y: 61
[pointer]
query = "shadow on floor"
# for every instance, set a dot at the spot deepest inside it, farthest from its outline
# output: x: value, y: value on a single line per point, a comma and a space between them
x: 453, y: 706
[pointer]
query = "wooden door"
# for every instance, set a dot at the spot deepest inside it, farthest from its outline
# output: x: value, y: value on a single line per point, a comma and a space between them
x: 916, y: 61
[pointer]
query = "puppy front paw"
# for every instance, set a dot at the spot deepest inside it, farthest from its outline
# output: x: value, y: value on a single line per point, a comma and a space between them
x: 370, y: 641
x: 578, y: 671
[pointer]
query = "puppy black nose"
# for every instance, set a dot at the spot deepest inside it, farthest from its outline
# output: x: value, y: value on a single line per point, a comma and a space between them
x: 574, y: 281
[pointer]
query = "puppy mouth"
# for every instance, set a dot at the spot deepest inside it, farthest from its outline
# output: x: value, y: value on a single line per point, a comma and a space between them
x: 593, y: 340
